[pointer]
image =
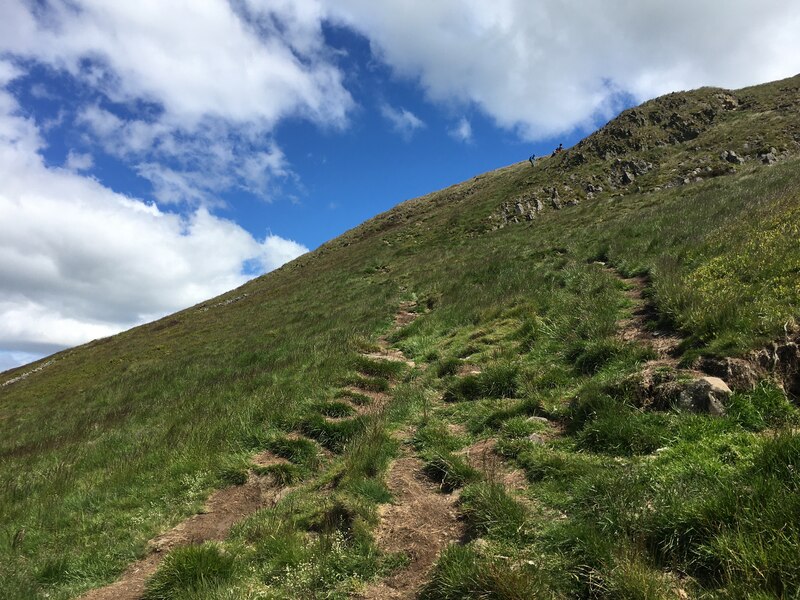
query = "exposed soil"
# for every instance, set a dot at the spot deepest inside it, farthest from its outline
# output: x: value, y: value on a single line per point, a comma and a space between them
x: 224, y: 508
x: 420, y: 523
x: 483, y: 456
x: 640, y: 327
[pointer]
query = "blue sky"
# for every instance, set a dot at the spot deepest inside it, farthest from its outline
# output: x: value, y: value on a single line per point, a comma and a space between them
x: 156, y: 154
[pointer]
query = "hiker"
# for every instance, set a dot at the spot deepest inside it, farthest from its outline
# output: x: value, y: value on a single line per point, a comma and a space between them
x: 532, y: 159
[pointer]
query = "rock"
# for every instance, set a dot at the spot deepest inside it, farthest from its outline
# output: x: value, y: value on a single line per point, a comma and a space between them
x: 731, y: 157
x: 537, y: 439
x: 769, y: 158
x: 783, y: 361
x: 627, y: 177
x: 741, y: 375
x: 541, y: 420
x: 705, y: 395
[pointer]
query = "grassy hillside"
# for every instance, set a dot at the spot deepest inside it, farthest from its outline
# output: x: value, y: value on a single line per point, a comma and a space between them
x: 526, y: 276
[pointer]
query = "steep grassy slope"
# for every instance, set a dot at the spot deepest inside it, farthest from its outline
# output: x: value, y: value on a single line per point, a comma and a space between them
x: 113, y: 442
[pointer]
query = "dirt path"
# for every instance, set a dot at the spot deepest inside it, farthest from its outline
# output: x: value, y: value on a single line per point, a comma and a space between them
x: 420, y: 523
x: 223, y: 509
x: 640, y: 327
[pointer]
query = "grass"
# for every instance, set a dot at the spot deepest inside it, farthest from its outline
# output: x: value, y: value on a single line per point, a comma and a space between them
x: 190, y: 570
x: 124, y: 437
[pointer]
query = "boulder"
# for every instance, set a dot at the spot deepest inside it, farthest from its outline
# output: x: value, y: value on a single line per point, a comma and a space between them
x: 741, y: 375
x: 731, y: 157
x: 705, y: 395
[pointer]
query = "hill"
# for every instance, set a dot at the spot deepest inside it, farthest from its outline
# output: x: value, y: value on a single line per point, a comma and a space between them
x: 572, y: 379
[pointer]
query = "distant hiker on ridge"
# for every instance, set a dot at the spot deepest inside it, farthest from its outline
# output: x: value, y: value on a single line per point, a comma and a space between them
x: 532, y: 160
x: 558, y: 150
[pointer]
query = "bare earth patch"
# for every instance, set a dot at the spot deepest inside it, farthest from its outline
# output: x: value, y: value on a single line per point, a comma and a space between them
x: 636, y: 329
x: 420, y: 523
x: 224, y: 508
x: 483, y: 456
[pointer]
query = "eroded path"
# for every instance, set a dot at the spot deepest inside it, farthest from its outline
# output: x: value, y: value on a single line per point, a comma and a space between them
x: 222, y: 511
x: 640, y: 327
x: 421, y: 521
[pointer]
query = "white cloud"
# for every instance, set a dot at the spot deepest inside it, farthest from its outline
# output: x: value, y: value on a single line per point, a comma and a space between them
x: 545, y: 67
x: 196, y: 59
x: 216, y: 76
x: 462, y: 132
x: 78, y: 261
x: 78, y: 161
x: 403, y: 121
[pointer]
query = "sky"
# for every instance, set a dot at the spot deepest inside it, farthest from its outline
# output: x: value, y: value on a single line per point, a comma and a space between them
x: 155, y: 154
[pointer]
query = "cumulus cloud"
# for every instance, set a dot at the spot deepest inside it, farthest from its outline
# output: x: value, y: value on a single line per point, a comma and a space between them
x: 78, y: 161
x: 216, y: 78
x: 462, y: 132
x: 543, y: 67
x: 403, y: 121
x: 196, y: 59
x: 79, y: 261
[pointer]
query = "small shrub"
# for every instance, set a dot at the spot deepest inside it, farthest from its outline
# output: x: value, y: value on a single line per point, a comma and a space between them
x: 590, y: 402
x: 333, y: 436
x: 766, y: 406
x: 460, y: 573
x: 590, y: 357
x: 434, y: 436
x: 497, y: 381
x: 354, y: 397
x: 191, y: 568
x: 622, y: 431
x: 233, y: 475
x: 282, y: 473
x: 519, y: 427
x: 373, y: 490
x: 372, y: 384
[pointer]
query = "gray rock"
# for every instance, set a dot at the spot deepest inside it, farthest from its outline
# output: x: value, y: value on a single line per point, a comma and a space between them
x: 731, y: 157
x: 769, y: 158
x: 742, y: 375
x: 627, y: 177
x: 705, y: 395
x: 537, y: 439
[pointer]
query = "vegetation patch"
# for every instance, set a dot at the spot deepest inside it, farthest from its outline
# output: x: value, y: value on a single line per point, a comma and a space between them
x: 191, y: 569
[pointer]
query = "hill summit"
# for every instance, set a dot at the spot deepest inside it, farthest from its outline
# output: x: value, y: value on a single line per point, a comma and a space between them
x: 572, y: 378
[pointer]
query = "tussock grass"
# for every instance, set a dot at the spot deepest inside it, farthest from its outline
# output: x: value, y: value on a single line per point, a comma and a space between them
x: 489, y: 510
x: 190, y: 569
x: 497, y: 381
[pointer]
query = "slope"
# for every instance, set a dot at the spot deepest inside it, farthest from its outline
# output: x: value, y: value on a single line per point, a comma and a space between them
x: 109, y: 444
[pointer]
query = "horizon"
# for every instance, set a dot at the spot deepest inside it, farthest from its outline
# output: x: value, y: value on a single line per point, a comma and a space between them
x: 151, y: 157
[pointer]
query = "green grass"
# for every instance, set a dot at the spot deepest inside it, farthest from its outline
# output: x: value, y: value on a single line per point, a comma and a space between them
x: 124, y: 437
x: 190, y: 570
